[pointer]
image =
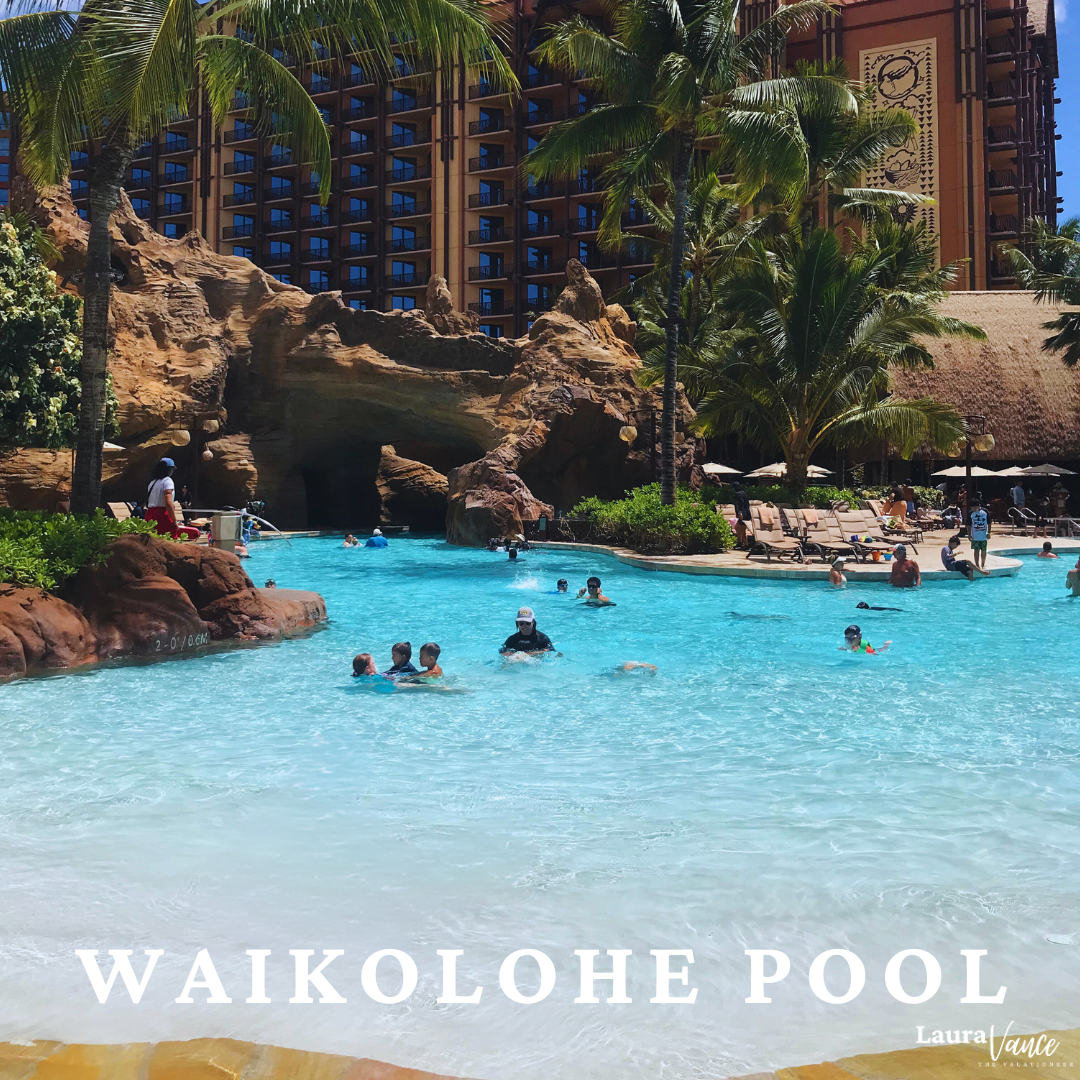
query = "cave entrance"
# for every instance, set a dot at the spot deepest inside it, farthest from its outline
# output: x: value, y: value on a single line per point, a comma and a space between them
x: 343, y: 494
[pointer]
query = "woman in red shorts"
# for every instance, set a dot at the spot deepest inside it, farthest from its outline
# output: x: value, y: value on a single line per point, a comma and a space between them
x: 160, y: 508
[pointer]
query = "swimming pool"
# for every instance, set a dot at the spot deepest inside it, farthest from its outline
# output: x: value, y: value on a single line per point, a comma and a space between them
x: 762, y: 790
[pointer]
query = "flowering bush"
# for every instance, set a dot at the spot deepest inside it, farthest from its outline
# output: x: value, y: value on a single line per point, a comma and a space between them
x: 39, y: 347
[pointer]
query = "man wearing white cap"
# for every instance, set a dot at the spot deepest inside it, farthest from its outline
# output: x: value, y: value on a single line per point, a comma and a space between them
x: 376, y: 539
x: 527, y: 639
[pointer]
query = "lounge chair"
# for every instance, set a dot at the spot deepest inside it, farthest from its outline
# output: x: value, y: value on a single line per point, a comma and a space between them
x: 120, y: 510
x: 861, y: 523
x: 818, y: 539
x: 889, y: 524
x: 769, y: 538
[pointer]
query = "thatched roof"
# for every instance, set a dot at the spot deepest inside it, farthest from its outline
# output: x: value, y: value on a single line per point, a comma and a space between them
x: 1030, y: 399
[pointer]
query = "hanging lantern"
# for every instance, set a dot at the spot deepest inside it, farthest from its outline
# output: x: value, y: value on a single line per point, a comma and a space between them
x: 179, y: 437
x: 680, y: 438
x: 628, y: 433
x: 210, y: 426
x: 208, y: 454
x: 983, y: 442
x: 954, y: 451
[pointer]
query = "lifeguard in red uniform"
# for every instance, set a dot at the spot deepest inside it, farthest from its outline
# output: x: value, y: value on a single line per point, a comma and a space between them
x: 160, y: 508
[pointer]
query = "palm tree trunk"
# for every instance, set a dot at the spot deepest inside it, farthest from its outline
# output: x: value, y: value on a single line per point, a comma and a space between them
x: 105, y: 181
x: 684, y: 154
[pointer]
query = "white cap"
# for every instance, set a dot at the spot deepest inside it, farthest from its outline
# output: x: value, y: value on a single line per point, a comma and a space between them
x: 377, y: 532
x: 525, y: 614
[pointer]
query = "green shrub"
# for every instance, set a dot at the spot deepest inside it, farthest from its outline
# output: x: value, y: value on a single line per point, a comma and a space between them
x: 40, y: 550
x: 925, y: 496
x: 690, y: 527
x: 821, y: 496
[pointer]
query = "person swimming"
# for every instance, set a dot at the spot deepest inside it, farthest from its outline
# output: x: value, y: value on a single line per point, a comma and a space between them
x: 429, y: 661
x: 364, y: 664
x: 562, y: 585
x: 270, y: 583
x: 376, y: 540
x: 635, y: 667
x: 760, y: 618
x: 594, y: 594
x: 863, y: 605
x: 401, y: 657
x: 528, y: 639
x: 512, y: 554
x: 853, y: 642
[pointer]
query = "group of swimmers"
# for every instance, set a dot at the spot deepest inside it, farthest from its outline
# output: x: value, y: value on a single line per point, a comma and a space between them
x: 375, y: 540
x: 401, y: 669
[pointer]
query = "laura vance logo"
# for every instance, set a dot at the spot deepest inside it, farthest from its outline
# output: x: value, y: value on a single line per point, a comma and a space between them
x: 1006, y: 1050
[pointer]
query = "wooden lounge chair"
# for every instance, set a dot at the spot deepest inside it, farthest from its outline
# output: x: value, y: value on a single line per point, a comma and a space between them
x: 769, y: 538
x: 120, y: 510
x: 818, y: 539
x: 855, y: 523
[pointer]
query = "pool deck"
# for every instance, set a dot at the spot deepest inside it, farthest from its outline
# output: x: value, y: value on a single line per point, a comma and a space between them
x: 230, y: 1059
x: 736, y: 564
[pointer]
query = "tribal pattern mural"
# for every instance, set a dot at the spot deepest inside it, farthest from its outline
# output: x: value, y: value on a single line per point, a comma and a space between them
x: 906, y: 77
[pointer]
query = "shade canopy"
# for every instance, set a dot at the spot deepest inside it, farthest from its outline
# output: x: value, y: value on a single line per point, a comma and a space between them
x: 779, y: 469
x: 960, y: 470
x: 111, y: 446
x: 1016, y: 471
x: 1048, y: 470
x: 710, y: 468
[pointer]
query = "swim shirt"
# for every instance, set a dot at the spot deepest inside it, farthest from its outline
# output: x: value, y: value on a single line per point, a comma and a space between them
x: 534, y: 642
x: 948, y: 558
x: 401, y: 669
x: 980, y: 523
x: 376, y: 541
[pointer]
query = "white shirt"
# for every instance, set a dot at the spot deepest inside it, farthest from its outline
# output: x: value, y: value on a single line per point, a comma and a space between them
x: 157, y: 491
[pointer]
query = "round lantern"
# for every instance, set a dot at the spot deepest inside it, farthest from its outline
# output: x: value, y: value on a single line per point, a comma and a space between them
x: 628, y: 433
x: 208, y: 455
x: 179, y: 437
x: 210, y: 426
x: 983, y: 442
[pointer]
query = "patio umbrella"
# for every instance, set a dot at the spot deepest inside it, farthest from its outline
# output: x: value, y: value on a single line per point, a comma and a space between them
x: 779, y: 469
x: 956, y: 471
x: 1015, y: 471
x: 712, y: 469
x: 1048, y: 470
x: 111, y: 446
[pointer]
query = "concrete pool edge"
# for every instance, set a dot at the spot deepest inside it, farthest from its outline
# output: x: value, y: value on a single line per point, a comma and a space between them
x: 231, y: 1059
x: 736, y: 564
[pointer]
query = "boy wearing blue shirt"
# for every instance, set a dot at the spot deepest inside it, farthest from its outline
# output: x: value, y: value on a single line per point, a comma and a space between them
x: 979, y: 531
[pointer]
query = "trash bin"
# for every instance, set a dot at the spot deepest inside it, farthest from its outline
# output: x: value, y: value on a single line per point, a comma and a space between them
x: 225, y: 530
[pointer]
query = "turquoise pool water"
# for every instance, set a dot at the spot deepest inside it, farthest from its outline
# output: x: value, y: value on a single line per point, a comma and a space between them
x: 762, y: 790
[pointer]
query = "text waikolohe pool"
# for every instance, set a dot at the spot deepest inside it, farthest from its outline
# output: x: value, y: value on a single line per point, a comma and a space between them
x: 762, y: 790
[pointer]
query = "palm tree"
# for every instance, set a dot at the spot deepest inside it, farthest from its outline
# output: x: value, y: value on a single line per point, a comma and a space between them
x: 118, y: 71
x: 1051, y: 267
x: 816, y: 333
x: 675, y: 71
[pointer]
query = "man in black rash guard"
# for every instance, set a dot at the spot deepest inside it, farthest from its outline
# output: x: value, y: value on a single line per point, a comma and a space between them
x: 527, y: 639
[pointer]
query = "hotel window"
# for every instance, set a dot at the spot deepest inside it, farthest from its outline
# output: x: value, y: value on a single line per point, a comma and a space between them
x: 319, y: 247
x: 243, y: 252
x: 174, y: 203
x: 141, y: 207
x: 243, y: 193
x: 281, y: 218
x: 176, y: 173
x: 358, y: 305
x: 280, y: 250
x: 359, y: 175
x: 173, y: 230
x: 140, y: 176
x: 280, y: 187
x: 403, y: 303
x: 284, y: 278
x: 243, y: 162
x: 358, y: 277
x: 491, y: 329
x: 318, y: 280
x: 403, y: 202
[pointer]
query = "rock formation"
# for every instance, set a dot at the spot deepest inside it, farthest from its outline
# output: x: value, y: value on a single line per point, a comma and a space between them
x: 151, y: 597
x: 295, y: 396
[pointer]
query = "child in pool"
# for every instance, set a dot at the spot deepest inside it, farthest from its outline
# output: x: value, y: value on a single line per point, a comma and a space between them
x: 636, y: 665
x: 1047, y: 551
x: 363, y: 664
x: 429, y: 661
x: 836, y: 572
x: 853, y: 642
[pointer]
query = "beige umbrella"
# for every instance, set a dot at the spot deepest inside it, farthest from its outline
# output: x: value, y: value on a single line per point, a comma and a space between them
x: 779, y: 469
x: 960, y: 470
x: 1048, y: 470
x: 111, y: 447
x: 1015, y: 471
x: 712, y: 469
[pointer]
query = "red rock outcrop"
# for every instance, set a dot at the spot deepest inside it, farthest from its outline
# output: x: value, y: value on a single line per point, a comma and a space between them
x: 411, y: 492
x: 295, y: 396
x: 151, y: 597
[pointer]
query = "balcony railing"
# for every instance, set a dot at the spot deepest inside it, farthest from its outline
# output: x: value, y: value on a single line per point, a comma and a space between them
x: 359, y: 146
x: 490, y: 273
x: 538, y: 78
x: 542, y: 228
x: 363, y: 179
x: 141, y: 211
x: 586, y: 185
x: 491, y: 236
x: 492, y: 310
x: 279, y: 226
x: 400, y: 210
x: 231, y: 232
x: 232, y: 168
x: 280, y: 191
x: 234, y: 135
x: 1000, y: 46
x: 357, y: 79
x: 1001, y: 135
x: 136, y: 185
x: 279, y: 161
x: 358, y: 215
x: 544, y: 266
x: 316, y: 287
x: 491, y: 161
x: 357, y: 285
x: 321, y: 86
x: 487, y: 125
x: 354, y: 250
x: 318, y: 255
x: 411, y: 68
x: 636, y: 255
x: 634, y: 217
x: 1002, y: 179
x: 403, y: 176
x: 414, y: 280
x: 174, y: 207
x: 488, y: 198
x: 179, y: 144
x: 483, y: 90
x: 144, y: 151
x: 408, y: 104
x: 545, y: 190
x: 410, y: 243
x: 1004, y: 225
x: 409, y: 138
x: 318, y: 221
x: 539, y: 304
x: 1001, y: 91
x: 360, y: 112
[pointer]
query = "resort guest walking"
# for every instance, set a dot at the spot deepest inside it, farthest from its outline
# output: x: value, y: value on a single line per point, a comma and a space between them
x: 951, y: 562
x: 741, y: 502
x: 527, y: 639
x: 1072, y: 579
x: 905, y: 572
x: 836, y: 572
x: 1019, y: 495
x: 1058, y: 499
x: 401, y: 660
x: 979, y: 531
x: 160, y: 507
x: 376, y: 539
x: 909, y: 496
x: 1047, y: 551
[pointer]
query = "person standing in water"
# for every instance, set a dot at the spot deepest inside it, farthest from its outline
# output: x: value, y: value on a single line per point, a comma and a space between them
x: 527, y: 639
x: 593, y: 592
x: 905, y: 573
x: 1072, y: 579
x: 836, y: 572
x: 376, y: 540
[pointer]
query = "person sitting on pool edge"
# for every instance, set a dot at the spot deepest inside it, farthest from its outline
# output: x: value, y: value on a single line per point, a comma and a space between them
x: 595, y: 596
x: 836, y: 572
x: 527, y: 639
x: 905, y: 572
x: 951, y: 562
x: 1047, y: 551
x: 401, y: 655
x: 376, y: 540
x: 853, y: 642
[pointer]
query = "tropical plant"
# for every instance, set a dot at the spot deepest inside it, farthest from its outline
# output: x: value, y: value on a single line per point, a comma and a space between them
x: 116, y: 72
x: 39, y: 345
x: 672, y: 72
x: 1050, y: 266
x: 817, y: 331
